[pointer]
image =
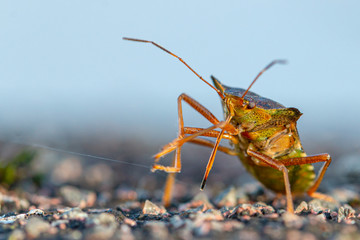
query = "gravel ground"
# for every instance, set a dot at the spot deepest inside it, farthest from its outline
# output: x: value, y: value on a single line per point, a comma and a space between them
x: 82, y: 199
x: 232, y: 215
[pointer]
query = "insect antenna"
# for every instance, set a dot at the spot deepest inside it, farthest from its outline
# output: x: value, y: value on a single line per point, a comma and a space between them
x: 41, y: 146
x: 261, y: 72
x: 180, y: 59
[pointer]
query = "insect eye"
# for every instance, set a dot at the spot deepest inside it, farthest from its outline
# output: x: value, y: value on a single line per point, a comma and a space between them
x: 251, y: 105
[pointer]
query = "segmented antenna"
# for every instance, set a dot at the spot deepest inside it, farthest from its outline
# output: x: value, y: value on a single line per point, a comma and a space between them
x: 261, y: 72
x: 181, y: 60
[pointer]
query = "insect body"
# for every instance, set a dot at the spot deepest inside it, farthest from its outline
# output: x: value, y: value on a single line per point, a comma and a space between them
x: 262, y: 133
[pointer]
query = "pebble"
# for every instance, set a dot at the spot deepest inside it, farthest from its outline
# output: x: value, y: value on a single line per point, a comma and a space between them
x: 151, y: 208
x: 74, y: 214
x: 61, y: 224
x: 227, y: 198
x: 100, y: 232
x: 292, y: 221
x: 13, y: 203
x: 201, y: 199
x: 105, y: 219
x: 176, y: 222
x: 36, y: 226
x: 212, y: 215
x: 315, y: 206
x: 346, y: 213
x: 249, y: 235
x: 197, y: 218
x: 77, y: 198
x: 247, y: 210
x: 17, y: 234
x: 125, y: 233
x: 35, y: 212
x: 157, y: 229
x: 303, y: 207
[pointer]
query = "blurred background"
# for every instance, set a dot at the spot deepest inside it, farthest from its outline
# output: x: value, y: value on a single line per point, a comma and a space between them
x: 70, y: 82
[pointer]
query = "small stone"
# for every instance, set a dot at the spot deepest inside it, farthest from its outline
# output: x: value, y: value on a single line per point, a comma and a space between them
x: 23, y: 204
x: 8, y: 219
x: 346, y: 213
x: 186, y: 232
x: 151, y: 208
x: 176, y: 222
x: 61, y: 224
x: 292, y: 221
x: 241, y: 196
x: 35, y: 212
x: 126, y: 194
x: 203, y: 229
x: 274, y: 230
x: 158, y: 230
x: 130, y: 222
x: 100, y: 232
x: 315, y: 206
x: 125, y: 233
x: 35, y: 227
x: 8, y: 204
x: 17, y: 234
x: 249, y: 235
x: 77, y: 198
x: 227, y: 198
x: 303, y: 207
x: 232, y: 225
x: 246, y: 210
x: 321, y: 217
x: 272, y: 216
x: 21, y: 216
x: 105, y: 219
x: 209, y: 215
x: 74, y: 214
x: 74, y: 235
x: 119, y: 216
x: 264, y: 208
x: 201, y: 199
x: 297, y: 235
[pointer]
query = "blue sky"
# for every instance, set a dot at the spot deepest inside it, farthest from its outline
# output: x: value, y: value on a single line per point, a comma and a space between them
x: 64, y: 65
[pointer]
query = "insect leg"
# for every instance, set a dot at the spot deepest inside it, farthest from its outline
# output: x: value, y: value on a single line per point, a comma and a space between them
x: 213, y: 133
x: 281, y: 167
x: 170, y: 180
x: 207, y: 143
x: 213, y: 154
x: 177, y: 143
x: 313, y: 159
x: 181, y: 139
x: 171, y: 176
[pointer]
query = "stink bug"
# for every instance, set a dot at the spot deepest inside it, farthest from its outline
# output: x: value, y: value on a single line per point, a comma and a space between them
x: 262, y: 134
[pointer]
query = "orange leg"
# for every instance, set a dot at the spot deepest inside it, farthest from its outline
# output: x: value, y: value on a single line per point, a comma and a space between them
x: 281, y: 166
x: 213, y: 154
x: 181, y: 139
x: 171, y: 175
x: 313, y: 159
x: 177, y: 143
x: 207, y: 143
x: 212, y: 133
